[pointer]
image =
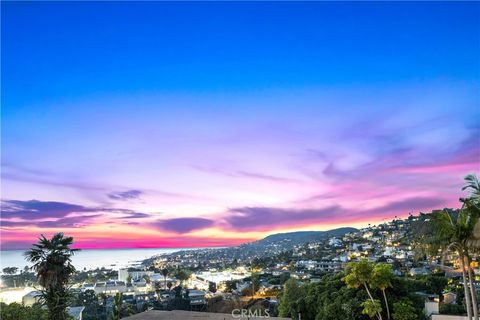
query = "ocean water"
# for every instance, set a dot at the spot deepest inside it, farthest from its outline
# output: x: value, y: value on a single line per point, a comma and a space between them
x: 92, y: 259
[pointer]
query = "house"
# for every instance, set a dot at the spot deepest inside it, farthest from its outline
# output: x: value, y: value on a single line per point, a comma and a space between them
x: 419, y: 272
x: 75, y: 312
x: 31, y: 298
x: 334, y: 242
x: 449, y: 297
x: 87, y: 286
x: 135, y: 275
x: 110, y: 287
x: 196, y: 297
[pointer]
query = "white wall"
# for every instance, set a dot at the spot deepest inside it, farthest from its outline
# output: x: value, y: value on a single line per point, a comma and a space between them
x: 447, y: 317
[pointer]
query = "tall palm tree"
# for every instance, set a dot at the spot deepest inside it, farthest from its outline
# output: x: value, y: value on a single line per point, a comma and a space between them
x: 471, y: 205
x: 359, y: 274
x: 51, y: 260
x: 452, y: 232
x: 382, y: 279
x: 165, y: 274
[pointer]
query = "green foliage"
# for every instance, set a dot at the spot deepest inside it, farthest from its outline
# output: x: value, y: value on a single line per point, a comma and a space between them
x: 381, y: 276
x: 404, y: 310
x: 52, y: 263
x: 371, y: 308
x: 291, y: 299
x: 331, y: 299
x: 231, y: 285
x: 255, y: 278
x: 16, y: 311
x: 452, y: 309
x: 435, y: 284
x: 182, y: 274
x: 10, y: 270
x: 22, y: 279
x: 146, y: 278
x: 89, y: 300
x: 92, y: 276
x: 115, y: 314
x: 358, y: 273
x: 165, y: 272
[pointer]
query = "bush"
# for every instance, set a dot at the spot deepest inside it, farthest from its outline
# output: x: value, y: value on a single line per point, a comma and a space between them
x: 452, y: 309
x: 16, y: 311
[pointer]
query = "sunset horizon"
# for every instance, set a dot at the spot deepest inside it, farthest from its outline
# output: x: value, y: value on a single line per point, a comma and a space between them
x: 217, y: 124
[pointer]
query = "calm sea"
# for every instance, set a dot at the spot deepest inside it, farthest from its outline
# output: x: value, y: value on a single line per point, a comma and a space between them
x: 91, y: 259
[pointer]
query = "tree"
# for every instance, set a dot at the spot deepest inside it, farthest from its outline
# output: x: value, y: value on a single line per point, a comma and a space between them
x: 382, y: 279
x: 290, y: 299
x: 255, y: 278
x: 471, y: 205
x: 89, y: 300
x: 182, y: 275
x: 459, y: 232
x: 116, y: 312
x: 359, y: 274
x: 372, y: 308
x: 146, y: 277
x: 52, y: 263
x: 165, y: 273
x: 10, y: 270
x: 129, y: 280
x: 404, y: 310
x: 451, y: 233
x: 16, y: 311
x: 436, y: 284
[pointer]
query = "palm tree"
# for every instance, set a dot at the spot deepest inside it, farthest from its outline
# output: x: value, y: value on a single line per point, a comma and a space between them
x: 165, y: 274
x: 359, y: 274
x: 382, y: 279
x: 471, y: 205
x: 452, y: 232
x: 51, y: 260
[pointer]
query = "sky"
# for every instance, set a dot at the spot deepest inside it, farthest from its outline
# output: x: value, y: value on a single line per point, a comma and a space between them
x: 160, y: 124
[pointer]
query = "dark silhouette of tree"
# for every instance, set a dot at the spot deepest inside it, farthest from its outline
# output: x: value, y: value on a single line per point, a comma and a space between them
x: 52, y: 263
x: 165, y: 274
x: 10, y: 270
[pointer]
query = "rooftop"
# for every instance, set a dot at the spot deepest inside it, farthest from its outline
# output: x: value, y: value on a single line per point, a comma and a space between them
x: 185, y: 315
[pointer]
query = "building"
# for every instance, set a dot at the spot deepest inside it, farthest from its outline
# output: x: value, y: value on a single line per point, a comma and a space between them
x: 325, y: 266
x: 75, y: 312
x: 135, y: 275
x: 31, y: 298
x: 110, y: 287
x: 419, y: 272
x: 196, y: 297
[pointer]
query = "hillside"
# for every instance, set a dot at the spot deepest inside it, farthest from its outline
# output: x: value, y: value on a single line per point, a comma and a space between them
x: 299, y: 237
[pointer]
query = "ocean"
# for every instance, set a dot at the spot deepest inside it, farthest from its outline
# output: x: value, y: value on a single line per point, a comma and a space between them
x: 92, y: 259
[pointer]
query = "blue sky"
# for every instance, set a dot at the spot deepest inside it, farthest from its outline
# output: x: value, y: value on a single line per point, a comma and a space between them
x: 211, y: 112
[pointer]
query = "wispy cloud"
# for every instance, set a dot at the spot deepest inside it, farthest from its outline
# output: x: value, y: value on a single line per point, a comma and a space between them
x: 238, y: 173
x: 125, y: 195
x: 184, y: 225
x: 52, y: 214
